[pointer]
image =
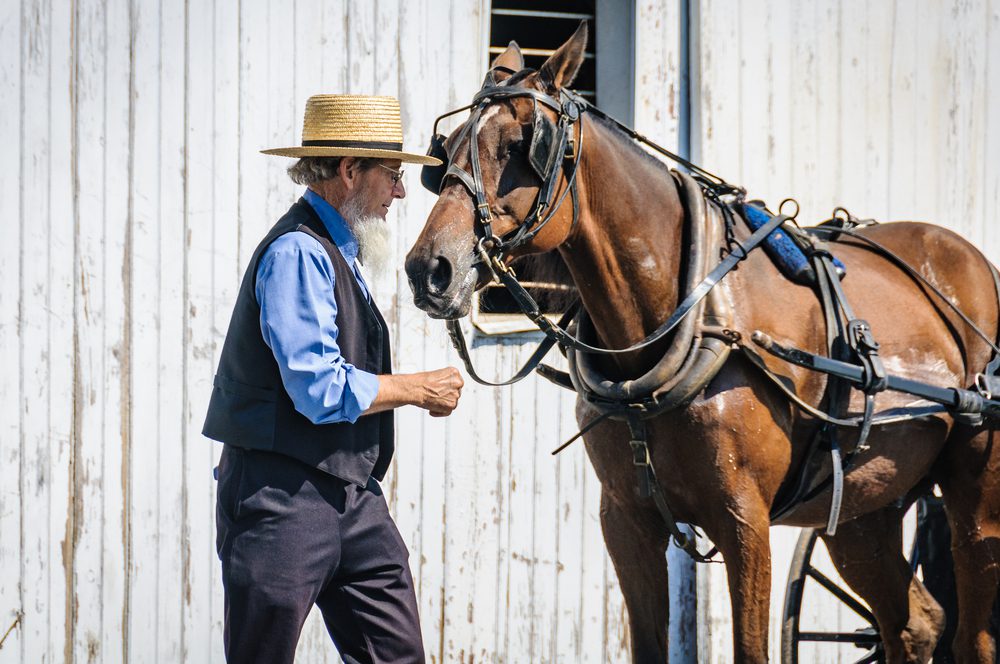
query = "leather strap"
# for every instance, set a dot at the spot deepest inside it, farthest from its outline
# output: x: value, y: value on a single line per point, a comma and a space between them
x: 462, y: 348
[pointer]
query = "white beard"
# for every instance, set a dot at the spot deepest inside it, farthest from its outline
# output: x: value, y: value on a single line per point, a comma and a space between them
x: 372, y: 234
x: 374, y: 250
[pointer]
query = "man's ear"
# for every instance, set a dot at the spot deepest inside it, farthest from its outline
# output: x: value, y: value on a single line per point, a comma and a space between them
x: 348, y: 172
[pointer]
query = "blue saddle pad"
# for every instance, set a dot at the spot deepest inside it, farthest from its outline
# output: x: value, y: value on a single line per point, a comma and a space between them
x: 787, y: 255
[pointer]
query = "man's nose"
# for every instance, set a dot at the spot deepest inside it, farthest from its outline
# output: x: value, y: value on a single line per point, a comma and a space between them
x: 399, y: 190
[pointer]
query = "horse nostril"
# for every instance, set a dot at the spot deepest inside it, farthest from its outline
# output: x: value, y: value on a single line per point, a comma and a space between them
x: 439, y: 275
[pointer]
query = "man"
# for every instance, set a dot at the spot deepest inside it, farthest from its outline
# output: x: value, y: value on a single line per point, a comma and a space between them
x: 303, y: 401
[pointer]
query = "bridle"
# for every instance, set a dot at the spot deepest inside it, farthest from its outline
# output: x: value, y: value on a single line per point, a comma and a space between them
x: 552, y: 145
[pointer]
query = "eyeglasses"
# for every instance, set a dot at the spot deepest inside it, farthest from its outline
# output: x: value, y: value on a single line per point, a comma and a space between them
x: 397, y: 176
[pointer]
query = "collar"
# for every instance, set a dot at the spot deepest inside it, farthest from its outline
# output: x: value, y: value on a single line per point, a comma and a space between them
x: 340, y: 232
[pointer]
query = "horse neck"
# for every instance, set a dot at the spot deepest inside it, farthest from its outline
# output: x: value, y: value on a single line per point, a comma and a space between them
x: 625, y: 255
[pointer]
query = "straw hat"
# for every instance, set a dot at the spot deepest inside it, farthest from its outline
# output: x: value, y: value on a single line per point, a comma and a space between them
x: 352, y: 126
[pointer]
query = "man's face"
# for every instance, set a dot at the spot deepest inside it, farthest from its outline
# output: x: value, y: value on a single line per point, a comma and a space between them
x: 378, y: 187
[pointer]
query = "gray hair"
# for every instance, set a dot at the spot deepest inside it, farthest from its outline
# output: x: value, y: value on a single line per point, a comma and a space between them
x: 310, y: 170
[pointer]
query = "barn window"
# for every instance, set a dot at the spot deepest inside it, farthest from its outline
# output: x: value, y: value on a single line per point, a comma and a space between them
x: 605, y: 79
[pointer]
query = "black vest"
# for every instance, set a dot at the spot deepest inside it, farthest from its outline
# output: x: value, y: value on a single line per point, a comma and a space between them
x: 250, y: 407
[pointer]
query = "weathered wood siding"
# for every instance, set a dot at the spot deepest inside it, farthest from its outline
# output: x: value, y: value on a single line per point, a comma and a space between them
x: 132, y: 195
x: 891, y: 109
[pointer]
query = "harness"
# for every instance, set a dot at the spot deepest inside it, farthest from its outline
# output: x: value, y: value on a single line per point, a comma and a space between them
x: 701, y: 322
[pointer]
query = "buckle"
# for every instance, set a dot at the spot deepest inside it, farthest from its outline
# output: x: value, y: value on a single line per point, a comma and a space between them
x: 640, y: 453
x: 570, y: 151
x: 483, y: 209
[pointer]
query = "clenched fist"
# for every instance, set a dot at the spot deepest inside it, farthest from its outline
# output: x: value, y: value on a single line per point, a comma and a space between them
x: 436, y: 391
x: 440, y: 390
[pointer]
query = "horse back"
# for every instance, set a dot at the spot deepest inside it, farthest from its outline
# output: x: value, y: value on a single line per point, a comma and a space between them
x: 920, y: 335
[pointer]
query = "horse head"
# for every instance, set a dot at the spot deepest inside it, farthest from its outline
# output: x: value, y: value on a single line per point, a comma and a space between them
x: 500, y: 163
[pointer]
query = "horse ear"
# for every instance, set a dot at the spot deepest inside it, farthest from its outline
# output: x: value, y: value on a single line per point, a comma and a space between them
x: 562, y: 66
x: 510, y: 59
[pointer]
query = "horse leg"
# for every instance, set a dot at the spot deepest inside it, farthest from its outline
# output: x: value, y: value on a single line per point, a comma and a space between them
x: 971, y: 489
x: 742, y: 539
x: 637, y: 544
x: 868, y: 554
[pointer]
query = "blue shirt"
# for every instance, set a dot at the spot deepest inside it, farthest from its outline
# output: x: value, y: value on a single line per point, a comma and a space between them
x: 298, y: 315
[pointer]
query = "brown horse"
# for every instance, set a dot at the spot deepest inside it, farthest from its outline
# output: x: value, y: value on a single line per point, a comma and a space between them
x: 722, y: 458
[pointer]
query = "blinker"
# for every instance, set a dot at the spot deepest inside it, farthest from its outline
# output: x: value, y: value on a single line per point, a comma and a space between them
x: 432, y: 176
x: 541, y: 154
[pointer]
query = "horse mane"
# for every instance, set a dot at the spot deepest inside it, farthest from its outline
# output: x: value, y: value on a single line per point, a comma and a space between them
x: 630, y: 144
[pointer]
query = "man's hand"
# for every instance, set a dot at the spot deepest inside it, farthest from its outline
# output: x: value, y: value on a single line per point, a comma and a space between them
x: 436, y: 391
x: 441, y: 390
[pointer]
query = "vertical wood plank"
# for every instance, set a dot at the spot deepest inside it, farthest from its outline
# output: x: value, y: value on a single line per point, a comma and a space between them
x: 592, y: 574
x: 171, y: 428
x: 826, y: 52
x: 117, y: 259
x: 657, y: 71
x: 902, y: 149
x: 29, y: 274
x: 506, y: 531
x: 716, y: 95
x: 853, y: 121
x: 546, y: 567
x: 96, y: 320
x: 63, y: 339
x: 571, y: 515
x: 200, y: 565
x: 964, y: 80
x: 991, y: 171
x: 255, y: 99
x: 361, y: 45
x: 780, y: 99
x: 145, y: 537
x: 932, y: 57
x: 284, y: 119
x: 226, y: 269
x: 754, y: 100
x: 12, y: 595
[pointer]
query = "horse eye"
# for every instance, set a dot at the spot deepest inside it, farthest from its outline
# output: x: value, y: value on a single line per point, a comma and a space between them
x: 515, y: 149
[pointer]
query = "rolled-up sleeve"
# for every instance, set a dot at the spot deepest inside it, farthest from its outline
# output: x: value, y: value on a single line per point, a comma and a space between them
x: 298, y: 314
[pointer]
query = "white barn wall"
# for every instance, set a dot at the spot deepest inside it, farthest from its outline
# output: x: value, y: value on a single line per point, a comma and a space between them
x: 132, y: 195
x: 886, y: 108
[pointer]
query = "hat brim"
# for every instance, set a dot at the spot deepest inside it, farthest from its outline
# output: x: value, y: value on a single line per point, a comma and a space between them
x: 324, y: 151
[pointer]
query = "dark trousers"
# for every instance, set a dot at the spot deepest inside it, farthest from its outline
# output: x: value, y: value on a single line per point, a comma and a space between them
x: 290, y: 536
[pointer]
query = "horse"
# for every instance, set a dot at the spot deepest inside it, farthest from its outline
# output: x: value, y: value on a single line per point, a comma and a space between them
x: 724, y: 456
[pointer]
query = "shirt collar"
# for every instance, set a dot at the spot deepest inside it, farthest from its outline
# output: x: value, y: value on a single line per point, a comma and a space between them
x: 339, y: 231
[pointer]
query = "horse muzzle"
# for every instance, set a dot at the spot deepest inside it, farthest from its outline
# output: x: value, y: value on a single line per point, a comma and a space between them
x: 439, y: 289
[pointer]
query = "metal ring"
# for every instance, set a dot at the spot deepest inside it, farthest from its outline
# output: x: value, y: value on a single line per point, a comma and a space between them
x: 847, y: 215
x: 983, y: 387
x: 493, y: 241
x: 781, y: 207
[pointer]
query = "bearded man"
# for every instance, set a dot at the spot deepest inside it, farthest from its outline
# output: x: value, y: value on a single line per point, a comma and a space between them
x: 303, y: 401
